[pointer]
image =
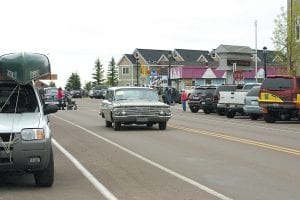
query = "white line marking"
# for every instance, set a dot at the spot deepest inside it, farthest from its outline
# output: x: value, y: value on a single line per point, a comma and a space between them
x: 99, y: 186
x: 183, y: 178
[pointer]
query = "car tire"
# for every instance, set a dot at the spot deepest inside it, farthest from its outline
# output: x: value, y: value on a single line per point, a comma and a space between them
x: 108, y: 123
x: 45, y: 178
x: 117, y: 126
x: 269, y: 118
x: 253, y: 116
x: 230, y: 113
x: 206, y: 111
x: 162, y: 125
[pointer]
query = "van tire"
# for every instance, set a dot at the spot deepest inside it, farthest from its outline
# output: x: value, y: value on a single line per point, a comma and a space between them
x: 45, y: 178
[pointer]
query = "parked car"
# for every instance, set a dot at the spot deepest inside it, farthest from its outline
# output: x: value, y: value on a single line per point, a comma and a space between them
x: 76, y: 93
x: 251, y: 107
x: 210, y: 102
x: 198, y: 95
x: 98, y: 92
x: 50, y: 97
x: 25, y: 133
x: 279, y: 97
x: 134, y: 105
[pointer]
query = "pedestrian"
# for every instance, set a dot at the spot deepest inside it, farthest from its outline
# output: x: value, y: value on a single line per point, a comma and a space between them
x: 60, y: 99
x: 183, y: 99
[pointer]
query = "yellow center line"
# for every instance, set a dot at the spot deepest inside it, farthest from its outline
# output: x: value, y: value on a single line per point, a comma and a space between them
x: 240, y: 140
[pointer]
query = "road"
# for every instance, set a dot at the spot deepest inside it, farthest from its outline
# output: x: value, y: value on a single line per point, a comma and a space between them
x: 199, y: 156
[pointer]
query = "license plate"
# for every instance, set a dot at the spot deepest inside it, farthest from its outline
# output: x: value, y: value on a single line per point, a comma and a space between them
x: 202, y: 102
x: 142, y: 119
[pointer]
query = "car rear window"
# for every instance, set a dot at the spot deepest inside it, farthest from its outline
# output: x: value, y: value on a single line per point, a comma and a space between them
x: 278, y: 83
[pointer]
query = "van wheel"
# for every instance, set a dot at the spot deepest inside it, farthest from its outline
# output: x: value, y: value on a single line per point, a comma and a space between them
x: 117, y: 126
x: 162, y: 125
x: 45, y: 178
x: 269, y: 118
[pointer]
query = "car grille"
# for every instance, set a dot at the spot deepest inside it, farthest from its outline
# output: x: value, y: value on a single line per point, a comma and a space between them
x: 143, y: 111
x: 5, y: 136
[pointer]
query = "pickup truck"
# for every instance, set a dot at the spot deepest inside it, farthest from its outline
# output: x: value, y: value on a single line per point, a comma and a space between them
x: 233, y: 101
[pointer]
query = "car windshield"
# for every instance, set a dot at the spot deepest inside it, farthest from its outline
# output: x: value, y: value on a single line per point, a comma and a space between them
x: 136, y: 94
x: 17, y: 99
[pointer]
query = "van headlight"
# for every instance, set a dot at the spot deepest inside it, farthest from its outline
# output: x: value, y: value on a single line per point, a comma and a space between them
x: 33, y: 134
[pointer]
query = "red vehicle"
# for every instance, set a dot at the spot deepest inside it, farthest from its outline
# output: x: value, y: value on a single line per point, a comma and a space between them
x: 279, y: 98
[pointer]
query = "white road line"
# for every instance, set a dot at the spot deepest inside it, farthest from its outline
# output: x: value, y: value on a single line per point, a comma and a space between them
x: 183, y: 178
x: 100, y: 187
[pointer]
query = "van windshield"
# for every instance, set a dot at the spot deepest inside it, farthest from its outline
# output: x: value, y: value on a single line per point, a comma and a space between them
x: 278, y: 84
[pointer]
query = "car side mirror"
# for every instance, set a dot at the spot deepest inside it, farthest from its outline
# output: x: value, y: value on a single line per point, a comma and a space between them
x: 48, y: 109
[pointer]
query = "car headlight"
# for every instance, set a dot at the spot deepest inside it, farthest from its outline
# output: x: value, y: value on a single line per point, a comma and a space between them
x: 165, y: 111
x: 119, y: 112
x: 33, y: 134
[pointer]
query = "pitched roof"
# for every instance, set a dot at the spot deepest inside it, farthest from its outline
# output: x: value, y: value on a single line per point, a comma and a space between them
x: 191, y: 56
x: 151, y: 56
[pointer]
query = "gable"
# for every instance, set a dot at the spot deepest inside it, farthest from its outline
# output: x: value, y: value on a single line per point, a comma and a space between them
x: 125, y: 61
x: 202, y: 59
x: 209, y: 74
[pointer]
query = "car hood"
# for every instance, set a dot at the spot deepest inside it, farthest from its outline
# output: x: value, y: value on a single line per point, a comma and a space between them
x: 11, y: 122
x: 139, y: 103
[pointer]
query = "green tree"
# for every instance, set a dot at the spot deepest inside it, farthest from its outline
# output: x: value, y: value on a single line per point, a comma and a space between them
x: 87, y: 86
x: 98, y: 76
x: 112, y: 73
x: 52, y: 84
x: 73, y: 82
x: 285, y: 42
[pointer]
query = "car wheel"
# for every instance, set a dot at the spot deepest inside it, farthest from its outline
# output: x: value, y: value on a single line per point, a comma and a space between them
x: 230, y: 114
x: 117, y: 126
x: 162, y: 125
x: 253, y: 116
x: 45, y: 178
x: 194, y: 109
x: 206, y: 111
x: 108, y: 123
x: 269, y: 118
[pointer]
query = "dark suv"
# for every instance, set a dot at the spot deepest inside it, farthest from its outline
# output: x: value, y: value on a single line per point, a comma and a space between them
x: 210, y: 102
x: 198, y: 95
x: 279, y: 98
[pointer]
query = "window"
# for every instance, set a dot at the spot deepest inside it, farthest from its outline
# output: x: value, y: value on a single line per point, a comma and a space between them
x: 125, y: 70
x: 297, y: 27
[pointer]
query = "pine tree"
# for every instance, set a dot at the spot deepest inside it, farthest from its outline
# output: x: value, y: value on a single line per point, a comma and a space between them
x: 98, y: 76
x: 112, y: 73
x: 73, y: 82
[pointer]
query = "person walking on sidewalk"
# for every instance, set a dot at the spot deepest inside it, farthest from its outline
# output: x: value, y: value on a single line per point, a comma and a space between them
x: 183, y: 99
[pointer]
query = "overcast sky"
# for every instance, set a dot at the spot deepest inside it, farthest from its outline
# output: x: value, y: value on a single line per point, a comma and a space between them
x: 75, y: 33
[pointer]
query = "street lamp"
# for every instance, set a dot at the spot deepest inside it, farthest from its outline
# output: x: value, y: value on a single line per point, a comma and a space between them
x: 169, y: 67
x: 137, y: 68
x: 265, y: 60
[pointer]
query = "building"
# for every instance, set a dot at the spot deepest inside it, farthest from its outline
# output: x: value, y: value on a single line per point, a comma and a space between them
x: 185, y: 67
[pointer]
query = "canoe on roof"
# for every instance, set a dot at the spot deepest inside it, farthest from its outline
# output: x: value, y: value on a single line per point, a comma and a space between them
x: 24, y: 67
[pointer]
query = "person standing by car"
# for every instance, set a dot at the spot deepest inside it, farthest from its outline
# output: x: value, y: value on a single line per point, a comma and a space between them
x: 60, y: 98
x: 183, y: 99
